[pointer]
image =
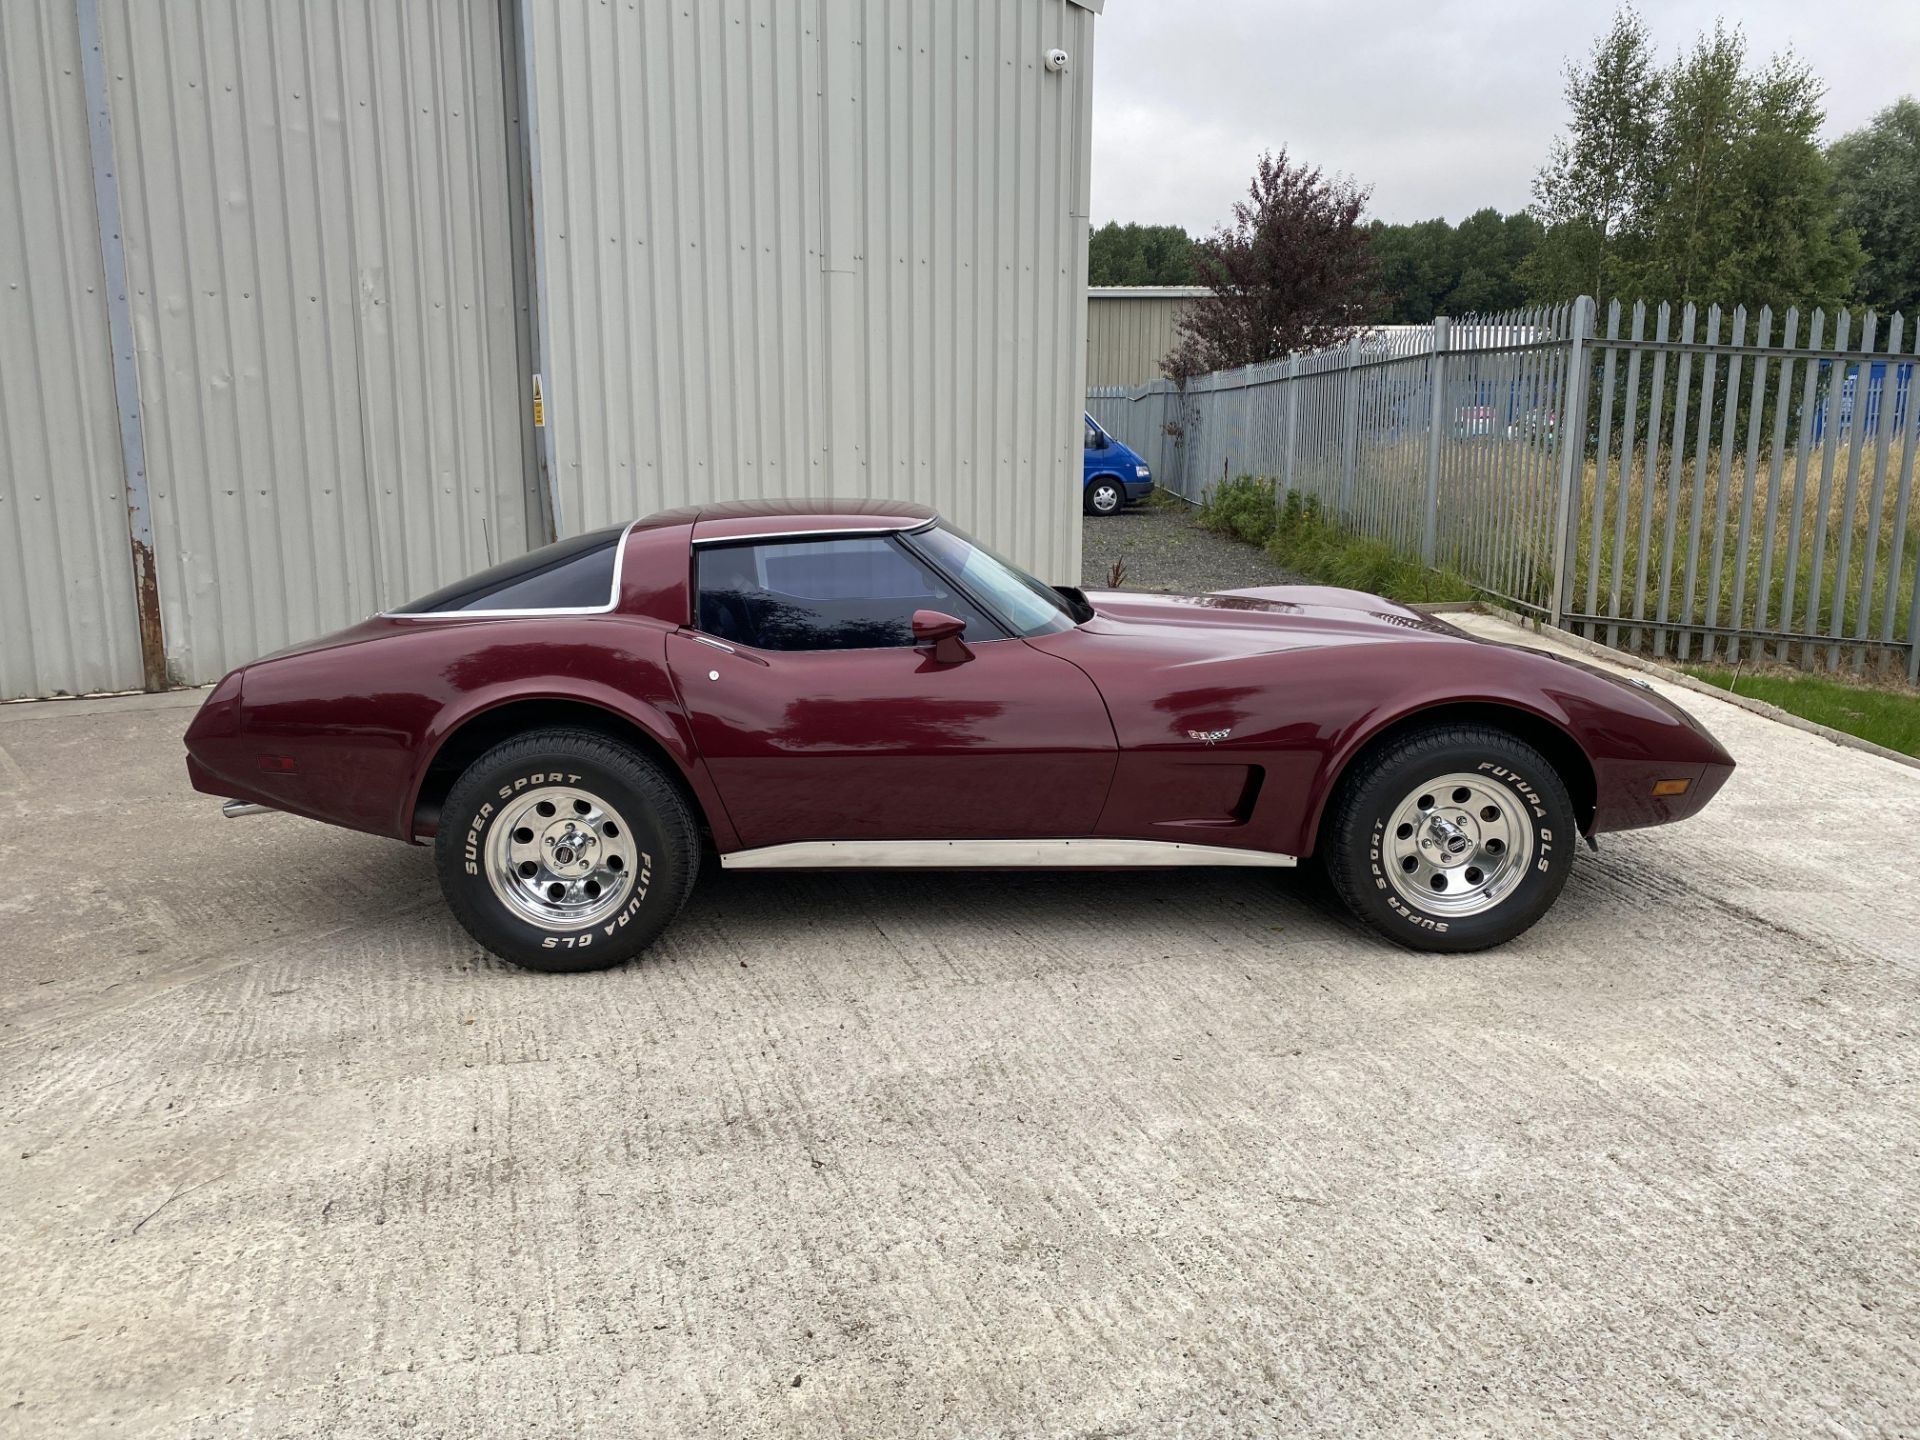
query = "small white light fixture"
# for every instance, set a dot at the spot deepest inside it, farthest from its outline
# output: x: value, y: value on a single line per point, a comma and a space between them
x: 1057, y: 60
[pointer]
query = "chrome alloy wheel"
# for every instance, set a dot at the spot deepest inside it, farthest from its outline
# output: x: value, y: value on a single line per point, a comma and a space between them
x: 1458, y: 845
x: 561, y: 858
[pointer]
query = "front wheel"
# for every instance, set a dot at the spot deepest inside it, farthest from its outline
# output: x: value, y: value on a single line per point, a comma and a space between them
x: 1104, y: 497
x: 563, y: 850
x: 1452, y: 838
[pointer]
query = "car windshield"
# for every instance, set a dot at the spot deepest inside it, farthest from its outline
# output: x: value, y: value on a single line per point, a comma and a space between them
x: 1030, y: 607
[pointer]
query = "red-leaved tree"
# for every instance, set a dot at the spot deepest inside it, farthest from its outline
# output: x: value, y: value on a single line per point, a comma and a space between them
x: 1294, y: 271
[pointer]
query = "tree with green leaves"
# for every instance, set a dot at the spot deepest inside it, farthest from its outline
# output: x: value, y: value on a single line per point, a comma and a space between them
x: 1700, y: 181
x: 1432, y: 268
x: 1599, y: 173
x: 1293, y: 272
x: 1877, y: 171
x: 1743, y: 209
x: 1139, y: 255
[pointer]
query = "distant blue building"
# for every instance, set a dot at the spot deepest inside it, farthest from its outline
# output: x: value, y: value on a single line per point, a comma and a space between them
x: 1900, y: 393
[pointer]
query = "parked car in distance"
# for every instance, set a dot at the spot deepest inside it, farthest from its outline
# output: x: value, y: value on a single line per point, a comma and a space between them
x: 1540, y: 425
x: 1472, y: 421
x: 1113, y: 476
x: 846, y: 683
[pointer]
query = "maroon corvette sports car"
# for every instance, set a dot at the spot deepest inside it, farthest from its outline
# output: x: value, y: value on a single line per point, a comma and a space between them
x: 814, y: 684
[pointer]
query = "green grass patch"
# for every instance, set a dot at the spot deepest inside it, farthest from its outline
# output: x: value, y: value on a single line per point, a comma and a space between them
x: 1299, y: 536
x: 1886, y: 717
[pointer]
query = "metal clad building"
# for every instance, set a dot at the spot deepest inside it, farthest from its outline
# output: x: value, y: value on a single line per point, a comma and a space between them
x: 847, y: 256
x: 318, y: 245
x: 67, y: 619
x: 1130, y: 329
x: 749, y: 247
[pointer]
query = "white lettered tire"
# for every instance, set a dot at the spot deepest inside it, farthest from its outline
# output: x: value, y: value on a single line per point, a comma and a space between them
x: 1451, y: 838
x: 564, y: 850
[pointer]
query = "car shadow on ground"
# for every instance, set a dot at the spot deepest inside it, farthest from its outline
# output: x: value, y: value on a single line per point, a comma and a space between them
x: 1074, y: 916
x: 767, y: 914
x: 1066, y: 910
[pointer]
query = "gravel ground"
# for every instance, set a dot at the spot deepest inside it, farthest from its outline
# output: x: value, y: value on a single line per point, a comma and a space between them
x: 1164, y: 550
x: 953, y: 1156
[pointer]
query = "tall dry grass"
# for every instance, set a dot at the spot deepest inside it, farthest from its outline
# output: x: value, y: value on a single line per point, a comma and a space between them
x: 1852, y: 561
x: 1495, y: 528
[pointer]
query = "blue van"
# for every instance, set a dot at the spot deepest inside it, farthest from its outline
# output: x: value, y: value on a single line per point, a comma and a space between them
x: 1113, y: 475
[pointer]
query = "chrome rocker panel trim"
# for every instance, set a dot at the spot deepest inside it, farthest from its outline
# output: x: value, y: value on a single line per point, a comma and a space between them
x: 1088, y: 853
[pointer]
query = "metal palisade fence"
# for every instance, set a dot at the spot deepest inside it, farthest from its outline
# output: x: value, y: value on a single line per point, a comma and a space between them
x: 1703, y: 485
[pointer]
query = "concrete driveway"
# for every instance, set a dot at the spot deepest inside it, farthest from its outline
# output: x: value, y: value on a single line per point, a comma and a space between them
x: 1078, y: 1155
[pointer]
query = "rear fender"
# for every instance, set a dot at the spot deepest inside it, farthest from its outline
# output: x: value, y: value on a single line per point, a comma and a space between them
x: 662, y: 729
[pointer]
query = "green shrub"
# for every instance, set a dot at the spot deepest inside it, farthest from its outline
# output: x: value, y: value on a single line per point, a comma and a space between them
x: 1241, y: 507
x: 1299, y: 535
x: 1305, y: 541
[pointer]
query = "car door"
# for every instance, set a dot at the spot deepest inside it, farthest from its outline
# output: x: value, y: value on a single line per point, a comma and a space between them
x: 819, y: 718
x: 1097, y: 451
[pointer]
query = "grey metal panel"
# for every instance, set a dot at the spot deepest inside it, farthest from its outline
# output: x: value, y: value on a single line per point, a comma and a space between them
x: 318, y: 235
x: 67, y: 621
x: 834, y: 247
x: 1130, y: 331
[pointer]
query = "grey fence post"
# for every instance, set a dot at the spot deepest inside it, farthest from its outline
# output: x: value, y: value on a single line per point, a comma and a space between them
x: 1293, y: 420
x: 1436, y: 426
x: 1350, y: 442
x: 1572, y: 432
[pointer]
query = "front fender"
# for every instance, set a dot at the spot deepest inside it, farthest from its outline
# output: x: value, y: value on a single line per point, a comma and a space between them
x: 1627, y: 735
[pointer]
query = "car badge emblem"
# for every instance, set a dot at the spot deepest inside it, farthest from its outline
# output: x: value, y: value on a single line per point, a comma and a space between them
x: 1211, y: 737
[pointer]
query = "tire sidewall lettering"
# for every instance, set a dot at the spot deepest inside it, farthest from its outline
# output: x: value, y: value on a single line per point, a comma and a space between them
x: 632, y: 907
x: 1376, y: 845
x: 538, y: 777
x: 1542, y: 832
x: 471, y: 846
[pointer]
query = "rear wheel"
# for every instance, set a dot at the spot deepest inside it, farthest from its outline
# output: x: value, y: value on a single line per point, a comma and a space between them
x: 1104, y: 497
x: 1452, y: 837
x: 562, y: 850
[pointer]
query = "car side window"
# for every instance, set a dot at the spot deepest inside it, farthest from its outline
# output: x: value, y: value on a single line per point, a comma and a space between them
x: 573, y: 575
x: 846, y: 594
x: 1095, y: 440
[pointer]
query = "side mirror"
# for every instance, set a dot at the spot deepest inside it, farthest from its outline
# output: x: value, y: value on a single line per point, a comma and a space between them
x: 942, y: 631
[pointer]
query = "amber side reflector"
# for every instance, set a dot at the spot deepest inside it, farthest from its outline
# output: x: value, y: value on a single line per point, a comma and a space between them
x: 1671, y: 787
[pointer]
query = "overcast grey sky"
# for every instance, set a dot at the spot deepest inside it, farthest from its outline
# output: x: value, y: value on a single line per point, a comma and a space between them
x: 1442, y: 106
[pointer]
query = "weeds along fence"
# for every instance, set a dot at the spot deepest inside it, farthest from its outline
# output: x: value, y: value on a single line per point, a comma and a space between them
x: 1697, y: 485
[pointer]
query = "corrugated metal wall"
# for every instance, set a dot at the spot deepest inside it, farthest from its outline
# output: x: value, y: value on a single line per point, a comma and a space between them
x: 830, y: 247
x: 787, y: 247
x: 66, y: 589
x: 1130, y: 330
x: 318, y: 231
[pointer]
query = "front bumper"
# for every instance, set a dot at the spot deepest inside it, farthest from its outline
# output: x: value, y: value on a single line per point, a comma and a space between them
x: 1625, y: 799
x: 1139, y: 489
